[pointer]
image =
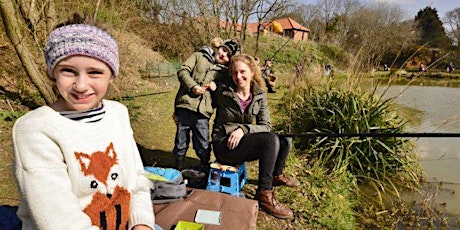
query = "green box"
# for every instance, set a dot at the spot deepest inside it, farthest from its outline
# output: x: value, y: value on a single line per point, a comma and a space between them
x: 185, y: 225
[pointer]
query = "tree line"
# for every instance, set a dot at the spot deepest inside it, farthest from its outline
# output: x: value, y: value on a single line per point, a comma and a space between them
x: 382, y: 33
x: 374, y: 33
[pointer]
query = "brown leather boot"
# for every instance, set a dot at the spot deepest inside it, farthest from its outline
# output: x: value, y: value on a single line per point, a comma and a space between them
x: 269, y: 203
x: 285, y: 180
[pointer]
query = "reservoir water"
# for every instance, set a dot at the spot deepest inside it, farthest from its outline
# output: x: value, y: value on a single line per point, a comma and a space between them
x: 437, y: 109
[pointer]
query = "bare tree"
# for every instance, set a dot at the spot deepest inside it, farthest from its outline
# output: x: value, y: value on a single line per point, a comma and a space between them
x: 452, y: 20
x: 266, y: 11
x: 39, y: 15
x: 311, y: 19
x: 203, y: 17
x: 211, y: 18
x: 26, y: 46
x: 328, y: 19
x: 247, y: 7
x: 375, y: 30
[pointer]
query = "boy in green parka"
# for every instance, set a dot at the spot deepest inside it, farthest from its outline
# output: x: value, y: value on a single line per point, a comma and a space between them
x: 193, y: 104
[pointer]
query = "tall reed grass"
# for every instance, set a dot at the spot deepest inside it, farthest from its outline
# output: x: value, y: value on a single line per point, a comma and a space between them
x: 323, y: 106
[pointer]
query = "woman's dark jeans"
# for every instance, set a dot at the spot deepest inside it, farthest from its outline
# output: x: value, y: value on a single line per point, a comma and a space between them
x: 270, y: 149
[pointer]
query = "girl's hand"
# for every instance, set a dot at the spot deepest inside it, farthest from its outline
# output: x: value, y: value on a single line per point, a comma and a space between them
x: 235, y: 138
x: 212, y: 86
x: 198, y: 90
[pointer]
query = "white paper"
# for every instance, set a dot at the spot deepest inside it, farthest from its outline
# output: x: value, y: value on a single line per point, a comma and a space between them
x: 208, y: 217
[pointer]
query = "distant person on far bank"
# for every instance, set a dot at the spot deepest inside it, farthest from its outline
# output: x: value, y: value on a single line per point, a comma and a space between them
x: 450, y: 67
x: 422, y: 68
x: 269, y: 78
x: 328, y: 71
x: 386, y: 67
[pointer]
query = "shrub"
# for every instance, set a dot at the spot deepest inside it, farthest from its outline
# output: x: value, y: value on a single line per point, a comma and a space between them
x: 380, y: 162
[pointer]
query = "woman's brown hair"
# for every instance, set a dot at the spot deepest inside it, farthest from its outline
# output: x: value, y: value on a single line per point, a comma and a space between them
x: 249, y: 60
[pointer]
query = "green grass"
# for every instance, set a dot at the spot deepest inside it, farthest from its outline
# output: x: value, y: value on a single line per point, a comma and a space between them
x: 318, y: 196
x: 9, y: 194
x: 326, y: 199
x: 323, y: 201
x: 151, y: 120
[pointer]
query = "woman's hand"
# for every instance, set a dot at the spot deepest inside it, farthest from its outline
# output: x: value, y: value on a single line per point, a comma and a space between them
x: 212, y: 86
x: 235, y: 138
x: 198, y: 90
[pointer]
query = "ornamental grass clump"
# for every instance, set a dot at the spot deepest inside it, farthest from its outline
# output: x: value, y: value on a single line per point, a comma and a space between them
x: 383, y: 163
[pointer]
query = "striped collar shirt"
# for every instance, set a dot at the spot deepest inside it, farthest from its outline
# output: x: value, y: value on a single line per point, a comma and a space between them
x: 93, y: 115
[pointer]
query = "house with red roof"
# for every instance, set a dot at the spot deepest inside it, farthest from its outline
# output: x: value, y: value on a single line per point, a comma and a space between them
x: 290, y: 28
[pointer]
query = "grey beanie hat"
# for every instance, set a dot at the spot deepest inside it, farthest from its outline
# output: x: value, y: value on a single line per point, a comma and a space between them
x: 232, y: 46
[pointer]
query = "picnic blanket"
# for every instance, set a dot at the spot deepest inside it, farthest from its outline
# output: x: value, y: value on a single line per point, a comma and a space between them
x: 237, y: 212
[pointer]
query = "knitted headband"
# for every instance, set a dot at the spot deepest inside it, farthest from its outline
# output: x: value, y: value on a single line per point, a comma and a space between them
x: 81, y: 39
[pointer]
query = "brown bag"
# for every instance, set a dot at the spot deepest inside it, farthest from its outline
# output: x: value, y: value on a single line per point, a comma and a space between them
x: 237, y: 212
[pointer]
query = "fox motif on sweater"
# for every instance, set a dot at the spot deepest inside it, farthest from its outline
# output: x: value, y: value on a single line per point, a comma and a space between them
x: 109, y: 207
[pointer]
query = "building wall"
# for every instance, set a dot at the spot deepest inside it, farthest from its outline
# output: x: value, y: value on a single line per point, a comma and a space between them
x: 300, y: 36
x: 296, y: 35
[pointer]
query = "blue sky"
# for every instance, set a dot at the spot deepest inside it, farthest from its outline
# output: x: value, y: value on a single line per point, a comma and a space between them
x: 413, y: 6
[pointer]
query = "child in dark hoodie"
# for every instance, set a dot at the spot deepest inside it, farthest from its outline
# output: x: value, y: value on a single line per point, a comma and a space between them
x: 193, y: 104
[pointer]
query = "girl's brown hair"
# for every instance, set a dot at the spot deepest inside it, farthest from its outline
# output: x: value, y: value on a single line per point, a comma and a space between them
x: 77, y: 18
x: 249, y: 60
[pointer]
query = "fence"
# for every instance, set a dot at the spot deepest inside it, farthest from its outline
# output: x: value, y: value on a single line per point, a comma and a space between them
x: 163, y: 72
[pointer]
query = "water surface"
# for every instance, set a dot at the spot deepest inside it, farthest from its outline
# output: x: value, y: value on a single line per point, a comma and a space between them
x: 438, y: 109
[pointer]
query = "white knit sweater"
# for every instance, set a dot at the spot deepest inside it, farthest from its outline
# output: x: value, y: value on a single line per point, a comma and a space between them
x: 74, y: 175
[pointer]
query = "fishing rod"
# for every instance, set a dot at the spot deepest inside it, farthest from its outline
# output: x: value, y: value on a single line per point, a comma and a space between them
x: 376, y: 135
x: 276, y: 52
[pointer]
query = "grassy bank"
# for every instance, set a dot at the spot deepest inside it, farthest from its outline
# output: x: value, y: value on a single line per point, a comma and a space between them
x: 319, y: 195
x: 325, y: 200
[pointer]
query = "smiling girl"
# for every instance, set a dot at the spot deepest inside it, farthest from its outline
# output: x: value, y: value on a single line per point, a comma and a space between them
x: 76, y: 162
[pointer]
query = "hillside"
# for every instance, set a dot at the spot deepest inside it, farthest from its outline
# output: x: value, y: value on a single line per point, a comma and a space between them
x: 149, y: 99
x: 149, y: 56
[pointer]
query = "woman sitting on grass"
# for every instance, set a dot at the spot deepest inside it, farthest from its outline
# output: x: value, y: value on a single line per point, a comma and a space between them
x: 241, y: 132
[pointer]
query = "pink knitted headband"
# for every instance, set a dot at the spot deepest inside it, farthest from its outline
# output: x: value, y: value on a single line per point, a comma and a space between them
x: 81, y: 39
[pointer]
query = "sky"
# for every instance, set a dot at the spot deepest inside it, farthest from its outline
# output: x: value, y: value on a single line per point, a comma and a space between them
x: 412, y: 7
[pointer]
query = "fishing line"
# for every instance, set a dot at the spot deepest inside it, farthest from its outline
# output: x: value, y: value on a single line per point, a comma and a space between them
x: 375, y: 135
x: 442, y: 182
